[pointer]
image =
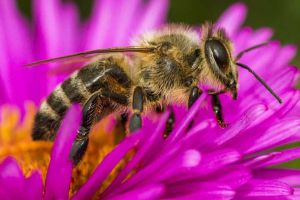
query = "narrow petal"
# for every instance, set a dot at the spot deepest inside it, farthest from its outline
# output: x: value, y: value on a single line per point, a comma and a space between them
x: 181, y: 127
x: 289, y: 176
x: 214, y: 161
x: 234, y: 177
x: 127, y: 22
x: 60, y: 167
x: 147, y: 171
x: 142, y: 193
x: 16, y: 33
x: 141, y: 153
x: 12, y: 180
x: 251, y: 117
x: 275, y: 134
x: 34, y: 186
x: 259, y: 160
x: 14, y: 52
x: 283, y: 156
x: 100, y: 30
x: 285, y: 56
x: 233, y: 18
x: 184, y: 164
x: 153, y: 16
x: 261, y: 188
x: 241, y: 39
x: 210, y: 164
x: 107, y: 165
x: 4, y: 94
x: 198, y: 190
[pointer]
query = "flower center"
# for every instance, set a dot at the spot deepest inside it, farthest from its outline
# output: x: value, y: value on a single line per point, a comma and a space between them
x: 15, y: 140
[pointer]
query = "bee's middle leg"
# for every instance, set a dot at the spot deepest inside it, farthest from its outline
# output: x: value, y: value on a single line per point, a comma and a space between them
x: 217, y: 108
x: 137, y: 106
x: 169, y: 122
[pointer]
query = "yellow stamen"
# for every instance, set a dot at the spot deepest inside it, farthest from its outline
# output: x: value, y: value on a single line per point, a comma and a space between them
x: 15, y: 140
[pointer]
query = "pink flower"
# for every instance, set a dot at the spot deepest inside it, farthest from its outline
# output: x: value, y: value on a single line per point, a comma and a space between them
x: 205, y: 162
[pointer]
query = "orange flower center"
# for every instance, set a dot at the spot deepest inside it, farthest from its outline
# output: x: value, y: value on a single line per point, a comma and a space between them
x: 15, y: 140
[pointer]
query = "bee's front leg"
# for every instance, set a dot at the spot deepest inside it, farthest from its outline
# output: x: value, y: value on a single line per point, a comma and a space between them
x: 194, y: 95
x: 137, y: 106
x: 217, y: 108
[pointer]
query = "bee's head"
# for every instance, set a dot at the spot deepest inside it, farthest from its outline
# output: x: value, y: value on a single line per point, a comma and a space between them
x: 218, y: 64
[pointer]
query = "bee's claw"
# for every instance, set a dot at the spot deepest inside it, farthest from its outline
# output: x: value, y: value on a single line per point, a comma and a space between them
x: 78, y: 149
x: 223, y: 124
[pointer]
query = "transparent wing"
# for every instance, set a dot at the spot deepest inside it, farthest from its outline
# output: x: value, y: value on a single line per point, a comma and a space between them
x: 69, y: 63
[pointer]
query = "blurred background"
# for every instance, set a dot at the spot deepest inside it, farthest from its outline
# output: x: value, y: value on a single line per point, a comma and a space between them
x: 282, y: 16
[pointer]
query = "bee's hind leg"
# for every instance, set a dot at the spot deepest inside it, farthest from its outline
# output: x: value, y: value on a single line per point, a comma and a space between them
x: 217, y: 108
x: 99, y: 105
x: 81, y: 142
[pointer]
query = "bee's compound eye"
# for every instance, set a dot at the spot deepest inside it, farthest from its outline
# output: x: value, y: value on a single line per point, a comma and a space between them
x: 219, y: 53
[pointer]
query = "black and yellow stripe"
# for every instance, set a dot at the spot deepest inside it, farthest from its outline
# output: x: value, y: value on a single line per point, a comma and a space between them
x: 106, y: 75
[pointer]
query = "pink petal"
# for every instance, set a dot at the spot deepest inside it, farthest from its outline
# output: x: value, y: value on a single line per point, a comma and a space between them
x: 274, y: 134
x: 234, y: 176
x: 145, y: 148
x: 262, y: 188
x: 12, y: 179
x: 283, y: 156
x: 198, y: 190
x: 99, y: 32
x: 185, y: 163
x: 142, y: 193
x: 233, y: 18
x: 147, y: 171
x: 289, y: 176
x: 14, y: 185
x: 127, y: 22
x: 60, y: 167
x: 34, y: 186
x: 106, y: 166
x: 153, y: 16
x: 258, y: 160
x: 179, y: 130
x: 252, y: 116
x: 285, y: 56
x: 216, y: 160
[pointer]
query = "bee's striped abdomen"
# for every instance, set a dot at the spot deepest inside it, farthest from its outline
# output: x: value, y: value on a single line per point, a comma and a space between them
x: 77, y: 89
x: 51, y: 112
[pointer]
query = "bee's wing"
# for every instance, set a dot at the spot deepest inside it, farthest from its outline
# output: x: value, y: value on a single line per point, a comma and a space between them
x: 76, y: 60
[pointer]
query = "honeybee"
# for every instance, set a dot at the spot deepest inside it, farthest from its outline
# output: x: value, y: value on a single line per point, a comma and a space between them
x: 164, y: 66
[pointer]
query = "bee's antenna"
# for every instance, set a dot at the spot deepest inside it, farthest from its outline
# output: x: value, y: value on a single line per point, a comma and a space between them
x: 250, y: 49
x: 260, y: 80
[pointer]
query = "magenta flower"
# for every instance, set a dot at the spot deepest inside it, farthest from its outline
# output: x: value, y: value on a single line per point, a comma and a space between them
x: 206, y: 162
